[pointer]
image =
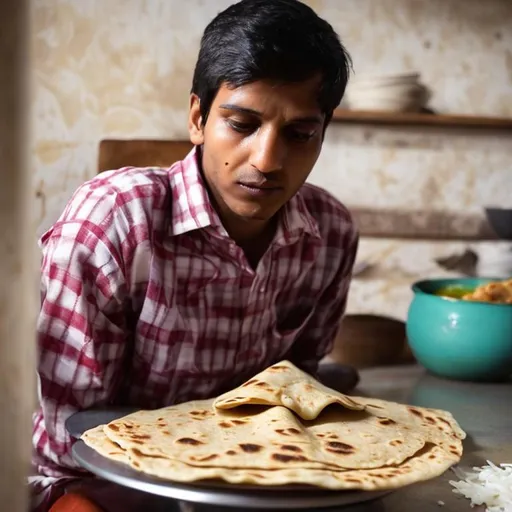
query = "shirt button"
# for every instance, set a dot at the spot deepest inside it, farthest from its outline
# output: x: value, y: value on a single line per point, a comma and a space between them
x: 262, y: 289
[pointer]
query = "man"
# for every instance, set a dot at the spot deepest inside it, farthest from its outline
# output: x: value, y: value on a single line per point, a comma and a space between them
x: 165, y: 285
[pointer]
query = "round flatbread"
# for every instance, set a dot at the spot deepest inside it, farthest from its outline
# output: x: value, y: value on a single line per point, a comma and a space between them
x: 274, y: 435
x: 430, y: 462
x: 284, y: 384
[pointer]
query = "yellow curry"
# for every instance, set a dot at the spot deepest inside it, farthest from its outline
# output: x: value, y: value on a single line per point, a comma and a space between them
x: 497, y: 292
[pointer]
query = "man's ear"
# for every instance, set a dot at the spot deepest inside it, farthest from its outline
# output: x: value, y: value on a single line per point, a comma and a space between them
x: 195, y: 121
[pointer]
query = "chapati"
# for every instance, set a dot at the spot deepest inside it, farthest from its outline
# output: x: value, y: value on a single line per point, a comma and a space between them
x: 267, y: 437
x: 430, y: 462
x: 284, y: 384
x: 272, y: 434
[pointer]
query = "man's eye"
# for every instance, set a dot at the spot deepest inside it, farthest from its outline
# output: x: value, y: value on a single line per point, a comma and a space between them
x: 300, y: 136
x: 242, y: 127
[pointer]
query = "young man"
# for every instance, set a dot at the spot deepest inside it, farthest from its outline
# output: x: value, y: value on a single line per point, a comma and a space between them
x: 165, y: 285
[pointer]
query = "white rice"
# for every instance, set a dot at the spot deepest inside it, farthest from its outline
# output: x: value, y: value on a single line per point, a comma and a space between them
x: 490, y: 485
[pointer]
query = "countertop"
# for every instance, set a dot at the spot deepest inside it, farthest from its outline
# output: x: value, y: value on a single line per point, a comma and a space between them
x: 483, y: 410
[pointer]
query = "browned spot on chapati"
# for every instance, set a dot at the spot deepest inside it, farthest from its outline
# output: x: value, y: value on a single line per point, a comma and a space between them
x: 136, y: 441
x: 136, y: 464
x: 224, y: 424
x: 291, y: 448
x: 189, y: 441
x: 440, y: 428
x: 337, y: 447
x: 239, y: 422
x: 387, y: 421
x: 321, y: 435
x: 128, y: 426
x: 257, y: 475
x: 278, y: 368
x: 333, y: 436
x: 166, y: 433
x: 445, y: 421
x: 115, y: 453
x: 288, y: 431
x: 431, y: 420
x: 415, y: 412
x: 432, y: 456
x: 140, y: 436
x: 308, y: 387
x: 395, y: 442
x: 160, y: 419
x: 231, y: 452
x: 281, y: 457
x: 248, y: 383
x: 262, y: 385
x: 375, y: 406
x: 115, y: 428
x: 251, y: 448
x: 200, y: 413
x: 455, y: 452
x: 353, y: 480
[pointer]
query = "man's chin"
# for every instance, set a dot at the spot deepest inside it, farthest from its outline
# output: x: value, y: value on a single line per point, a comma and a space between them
x: 253, y: 212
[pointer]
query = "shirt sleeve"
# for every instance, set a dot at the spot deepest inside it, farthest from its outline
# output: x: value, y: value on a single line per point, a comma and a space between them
x: 81, y: 334
x: 316, y: 340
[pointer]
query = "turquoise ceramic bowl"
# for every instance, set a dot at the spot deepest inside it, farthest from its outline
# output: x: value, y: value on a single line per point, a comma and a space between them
x: 459, y: 339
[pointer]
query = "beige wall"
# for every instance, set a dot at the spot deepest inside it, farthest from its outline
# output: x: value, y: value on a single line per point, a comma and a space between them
x: 18, y: 288
x: 123, y: 69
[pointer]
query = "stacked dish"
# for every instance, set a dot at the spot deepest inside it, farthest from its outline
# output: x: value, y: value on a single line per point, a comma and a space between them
x: 390, y: 93
x: 282, y: 427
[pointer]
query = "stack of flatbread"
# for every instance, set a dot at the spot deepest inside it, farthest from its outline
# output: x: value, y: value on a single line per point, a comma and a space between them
x: 283, y: 427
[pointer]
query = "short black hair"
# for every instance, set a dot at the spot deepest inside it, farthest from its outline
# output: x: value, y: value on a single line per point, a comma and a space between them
x: 281, y: 40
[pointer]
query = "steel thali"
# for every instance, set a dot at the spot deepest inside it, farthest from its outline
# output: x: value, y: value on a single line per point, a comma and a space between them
x: 210, y: 493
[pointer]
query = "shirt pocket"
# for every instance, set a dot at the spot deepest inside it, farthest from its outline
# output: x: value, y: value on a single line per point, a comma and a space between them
x: 292, y: 320
x: 286, y: 328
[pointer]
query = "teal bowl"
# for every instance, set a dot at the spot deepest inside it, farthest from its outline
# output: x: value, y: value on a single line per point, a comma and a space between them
x: 457, y: 339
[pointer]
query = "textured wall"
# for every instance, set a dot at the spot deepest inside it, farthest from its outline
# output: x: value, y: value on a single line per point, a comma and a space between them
x: 123, y: 69
x: 19, y: 287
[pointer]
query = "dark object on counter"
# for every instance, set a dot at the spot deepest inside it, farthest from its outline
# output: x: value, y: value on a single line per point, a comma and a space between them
x: 465, y: 263
x: 500, y: 220
x: 371, y: 340
x: 339, y: 377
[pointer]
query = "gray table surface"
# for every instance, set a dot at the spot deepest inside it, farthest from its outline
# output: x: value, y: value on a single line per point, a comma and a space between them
x: 483, y: 411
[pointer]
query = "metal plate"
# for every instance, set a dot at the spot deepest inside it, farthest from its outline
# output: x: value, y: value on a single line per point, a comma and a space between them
x: 79, y: 422
x: 211, y: 493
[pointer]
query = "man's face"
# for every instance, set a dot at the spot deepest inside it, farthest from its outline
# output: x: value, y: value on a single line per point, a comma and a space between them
x: 260, y: 143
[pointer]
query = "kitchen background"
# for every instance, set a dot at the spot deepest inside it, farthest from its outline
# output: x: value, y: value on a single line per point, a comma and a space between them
x: 122, y: 69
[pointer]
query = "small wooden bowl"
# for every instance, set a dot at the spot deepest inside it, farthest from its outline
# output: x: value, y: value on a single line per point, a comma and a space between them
x: 371, y: 340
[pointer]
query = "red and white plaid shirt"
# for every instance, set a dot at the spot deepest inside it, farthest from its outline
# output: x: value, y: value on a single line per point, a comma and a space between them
x: 146, y: 301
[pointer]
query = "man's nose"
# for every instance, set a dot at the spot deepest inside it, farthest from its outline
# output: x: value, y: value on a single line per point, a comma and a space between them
x: 268, y: 152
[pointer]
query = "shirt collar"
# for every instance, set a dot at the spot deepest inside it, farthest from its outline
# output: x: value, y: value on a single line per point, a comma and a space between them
x: 192, y: 209
x: 191, y: 206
